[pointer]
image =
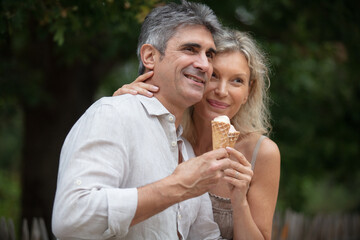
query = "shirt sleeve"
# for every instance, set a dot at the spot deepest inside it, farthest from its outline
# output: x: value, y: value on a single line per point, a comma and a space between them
x: 91, y: 202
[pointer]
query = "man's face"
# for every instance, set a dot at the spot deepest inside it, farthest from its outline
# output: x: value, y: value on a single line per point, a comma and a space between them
x: 186, y: 66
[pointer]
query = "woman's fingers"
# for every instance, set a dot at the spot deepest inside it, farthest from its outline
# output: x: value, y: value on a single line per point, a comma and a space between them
x: 144, y: 77
x: 124, y: 90
x: 246, y: 175
x: 143, y: 86
x: 239, y: 157
x: 237, y: 179
x: 138, y: 86
x: 241, y: 168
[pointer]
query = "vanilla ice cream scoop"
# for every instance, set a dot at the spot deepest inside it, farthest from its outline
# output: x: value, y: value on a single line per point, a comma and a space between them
x: 222, y: 118
x: 223, y: 133
x: 232, y: 129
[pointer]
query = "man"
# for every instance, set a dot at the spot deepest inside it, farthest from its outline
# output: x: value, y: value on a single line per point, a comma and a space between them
x: 119, y: 174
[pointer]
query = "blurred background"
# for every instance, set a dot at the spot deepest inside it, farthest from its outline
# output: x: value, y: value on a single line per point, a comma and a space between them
x: 58, y: 57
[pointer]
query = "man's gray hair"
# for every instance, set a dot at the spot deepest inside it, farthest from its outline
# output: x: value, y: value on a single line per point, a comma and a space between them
x: 162, y: 23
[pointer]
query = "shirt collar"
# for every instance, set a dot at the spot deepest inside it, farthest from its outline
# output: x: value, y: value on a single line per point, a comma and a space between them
x: 179, y: 132
x: 152, y: 105
x: 155, y: 108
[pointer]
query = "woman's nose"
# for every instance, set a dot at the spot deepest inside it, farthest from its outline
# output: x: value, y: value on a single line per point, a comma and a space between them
x: 221, y: 89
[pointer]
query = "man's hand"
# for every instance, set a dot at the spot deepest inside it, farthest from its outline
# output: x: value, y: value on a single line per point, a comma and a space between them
x: 197, y: 175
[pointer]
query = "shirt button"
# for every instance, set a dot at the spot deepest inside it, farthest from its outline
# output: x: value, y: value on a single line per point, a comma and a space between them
x: 179, y: 216
x: 171, y: 118
x: 78, y: 182
x: 173, y: 144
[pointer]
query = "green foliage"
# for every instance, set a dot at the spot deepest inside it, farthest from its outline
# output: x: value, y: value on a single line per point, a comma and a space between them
x: 37, y: 36
x: 10, y: 196
x: 314, y: 117
x: 120, y: 75
x: 326, y: 196
x: 10, y: 135
x: 79, y: 29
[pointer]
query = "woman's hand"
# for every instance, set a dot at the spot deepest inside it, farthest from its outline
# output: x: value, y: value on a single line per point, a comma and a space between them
x: 239, y: 177
x: 139, y: 86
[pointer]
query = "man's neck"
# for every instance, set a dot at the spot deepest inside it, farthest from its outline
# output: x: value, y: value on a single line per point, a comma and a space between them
x: 171, y: 105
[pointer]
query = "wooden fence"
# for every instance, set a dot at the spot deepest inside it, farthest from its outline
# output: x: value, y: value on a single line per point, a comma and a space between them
x: 37, y: 231
x: 286, y: 226
x: 296, y: 226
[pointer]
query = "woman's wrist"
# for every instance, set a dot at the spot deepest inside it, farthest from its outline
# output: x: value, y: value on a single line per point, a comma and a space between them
x: 240, y: 204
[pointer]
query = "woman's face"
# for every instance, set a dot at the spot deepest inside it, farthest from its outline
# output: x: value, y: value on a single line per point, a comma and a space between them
x: 228, y: 88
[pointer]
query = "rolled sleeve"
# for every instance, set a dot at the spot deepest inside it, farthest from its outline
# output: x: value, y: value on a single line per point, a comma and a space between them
x: 122, y: 205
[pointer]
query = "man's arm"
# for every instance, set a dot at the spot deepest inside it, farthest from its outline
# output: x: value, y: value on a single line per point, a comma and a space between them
x: 190, y: 179
x: 89, y: 203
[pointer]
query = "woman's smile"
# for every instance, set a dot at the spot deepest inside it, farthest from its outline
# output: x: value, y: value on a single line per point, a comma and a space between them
x: 217, y: 104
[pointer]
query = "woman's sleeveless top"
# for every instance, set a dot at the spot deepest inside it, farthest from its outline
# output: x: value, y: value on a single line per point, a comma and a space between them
x: 222, y: 209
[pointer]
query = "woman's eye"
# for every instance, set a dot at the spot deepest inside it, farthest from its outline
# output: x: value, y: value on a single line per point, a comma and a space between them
x: 238, y: 80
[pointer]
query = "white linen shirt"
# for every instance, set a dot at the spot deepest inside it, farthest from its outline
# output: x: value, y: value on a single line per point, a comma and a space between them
x: 119, y: 144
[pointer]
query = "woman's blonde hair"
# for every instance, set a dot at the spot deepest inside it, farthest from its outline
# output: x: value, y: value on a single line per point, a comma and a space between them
x: 254, y: 115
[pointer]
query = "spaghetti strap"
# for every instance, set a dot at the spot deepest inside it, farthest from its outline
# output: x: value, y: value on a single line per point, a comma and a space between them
x: 256, y: 149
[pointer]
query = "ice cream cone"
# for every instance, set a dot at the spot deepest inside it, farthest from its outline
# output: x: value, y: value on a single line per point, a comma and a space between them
x: 232, y: 138
x: 219, y: 134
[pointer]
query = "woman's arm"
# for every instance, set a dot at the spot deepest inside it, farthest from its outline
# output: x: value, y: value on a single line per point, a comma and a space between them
x: 253, y: 212
x: 139, y: 86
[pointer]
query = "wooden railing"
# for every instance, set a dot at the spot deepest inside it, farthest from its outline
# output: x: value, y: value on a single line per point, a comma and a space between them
x: 286, y: 226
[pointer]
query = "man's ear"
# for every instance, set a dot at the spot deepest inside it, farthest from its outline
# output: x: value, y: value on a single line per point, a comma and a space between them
x: 148, y: 55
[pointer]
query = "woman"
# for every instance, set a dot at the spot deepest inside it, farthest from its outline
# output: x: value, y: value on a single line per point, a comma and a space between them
x: 243, y: 203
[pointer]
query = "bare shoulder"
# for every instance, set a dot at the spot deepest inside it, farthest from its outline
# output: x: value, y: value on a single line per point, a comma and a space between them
x: 268, y: 162
x: 269, y: 150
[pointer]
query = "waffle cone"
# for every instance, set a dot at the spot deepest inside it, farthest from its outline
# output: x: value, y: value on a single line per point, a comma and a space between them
x: 220, y: 134
x: 232, y: 138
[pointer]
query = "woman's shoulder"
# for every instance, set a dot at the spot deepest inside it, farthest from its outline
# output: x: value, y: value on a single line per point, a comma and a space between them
x: 253, y: 139
x: 269, y: 149
x: 268, y: 156
x: 255, y: 142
